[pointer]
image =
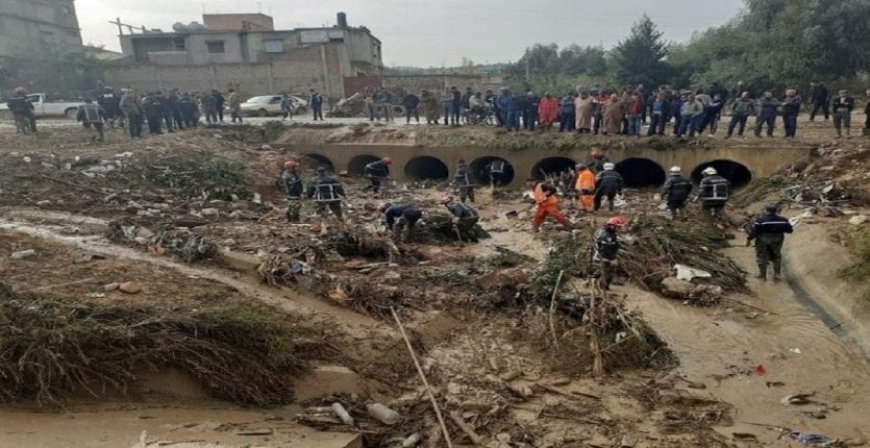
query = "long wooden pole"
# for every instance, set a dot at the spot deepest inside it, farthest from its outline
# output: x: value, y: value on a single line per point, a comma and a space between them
x: 423, y: 377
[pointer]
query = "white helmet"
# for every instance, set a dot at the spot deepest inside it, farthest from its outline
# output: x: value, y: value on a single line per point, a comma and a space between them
x: 675, y: 170
x: 609, y: 166
x: 709, y: 171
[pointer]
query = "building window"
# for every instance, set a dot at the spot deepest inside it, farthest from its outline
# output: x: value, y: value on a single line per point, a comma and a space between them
x: 215, y: 46
x: 273, y: 46
x: 178, y: 43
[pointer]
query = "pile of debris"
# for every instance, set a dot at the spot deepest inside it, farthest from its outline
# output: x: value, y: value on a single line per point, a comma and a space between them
x: 50, y: 350
x: 178, y: 241
x: 658, y: 247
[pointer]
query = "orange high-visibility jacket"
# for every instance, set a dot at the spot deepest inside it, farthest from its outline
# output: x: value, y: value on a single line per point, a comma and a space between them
x: 585, y: 181
x: 542, y: 199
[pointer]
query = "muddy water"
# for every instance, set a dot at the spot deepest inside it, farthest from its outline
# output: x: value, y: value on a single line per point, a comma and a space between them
x: 800, y: 354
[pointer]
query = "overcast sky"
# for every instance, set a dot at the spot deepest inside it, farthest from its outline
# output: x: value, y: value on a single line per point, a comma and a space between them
x: 432, y: 32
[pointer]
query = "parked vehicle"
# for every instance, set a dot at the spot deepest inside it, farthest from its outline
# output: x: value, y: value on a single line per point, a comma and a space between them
x: 43, y: 108
x: 270, y: 106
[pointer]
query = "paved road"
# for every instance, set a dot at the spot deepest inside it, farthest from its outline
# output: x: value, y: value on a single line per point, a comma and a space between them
x: 257, y: 121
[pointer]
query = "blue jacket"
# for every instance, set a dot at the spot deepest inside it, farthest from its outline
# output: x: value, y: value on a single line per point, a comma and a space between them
x: 516, y: 104
x: 384, y: 96
x: 503, y: 101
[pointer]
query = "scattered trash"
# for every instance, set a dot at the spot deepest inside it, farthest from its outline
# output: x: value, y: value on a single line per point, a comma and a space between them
x: 22, y: 254
x: 760, y: 370
x: 130, y: 288
x: 383, y: 414
x: 111, y: 286
x: 795, y: 350
x: 814, y: 439
x: 412, y: 440
x: 797, y: 399
x: 774, y: 384
x: 342, y: 413
x: 688, y: 273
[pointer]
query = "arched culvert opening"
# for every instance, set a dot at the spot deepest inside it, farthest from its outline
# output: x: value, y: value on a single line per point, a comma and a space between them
x: 316, y: 160
x: 737, y: 173
x: 358, y: 164
x: 426, y: 167
x: 640, y: 173
x: 551, y: 166
x: 481, y: 171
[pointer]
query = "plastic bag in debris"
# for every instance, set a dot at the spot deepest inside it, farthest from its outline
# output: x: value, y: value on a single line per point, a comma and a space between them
x: 688, y: 273
x: 814, y: 439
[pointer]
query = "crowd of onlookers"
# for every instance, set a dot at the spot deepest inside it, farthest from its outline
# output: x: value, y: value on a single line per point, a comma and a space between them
x: 631, y: 112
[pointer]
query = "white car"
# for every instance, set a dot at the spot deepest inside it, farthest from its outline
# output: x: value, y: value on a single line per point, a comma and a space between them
x: 270, y: 106
x: 42, y: 108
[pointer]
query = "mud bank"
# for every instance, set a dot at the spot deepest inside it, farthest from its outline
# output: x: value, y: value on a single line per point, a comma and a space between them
x: 812, y: 264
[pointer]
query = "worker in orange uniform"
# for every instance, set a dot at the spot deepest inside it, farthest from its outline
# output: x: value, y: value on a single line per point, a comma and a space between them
x: 547, y: 204
x: 585, y: 187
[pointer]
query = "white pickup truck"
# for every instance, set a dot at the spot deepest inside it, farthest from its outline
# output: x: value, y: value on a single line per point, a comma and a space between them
x: 43, y: 108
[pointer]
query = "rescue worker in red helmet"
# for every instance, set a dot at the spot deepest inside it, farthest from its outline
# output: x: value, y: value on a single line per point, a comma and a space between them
x: 605, y: 248
x: 377, y: 172
x: 292, y: 183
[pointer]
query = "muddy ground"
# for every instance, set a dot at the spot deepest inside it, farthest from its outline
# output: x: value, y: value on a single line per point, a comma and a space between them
x: 486, y: 347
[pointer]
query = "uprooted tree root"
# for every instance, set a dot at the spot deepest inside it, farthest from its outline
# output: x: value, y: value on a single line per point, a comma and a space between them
x: 49, y: 350
x: 214, y: 178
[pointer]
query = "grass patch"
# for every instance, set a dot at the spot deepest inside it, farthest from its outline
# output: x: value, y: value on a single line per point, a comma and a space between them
x: 49, y: 350
x: 859, y: 273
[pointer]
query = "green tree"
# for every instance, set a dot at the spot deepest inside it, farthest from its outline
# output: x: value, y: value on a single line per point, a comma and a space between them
x: 56, y: 70
x: 641, y: 58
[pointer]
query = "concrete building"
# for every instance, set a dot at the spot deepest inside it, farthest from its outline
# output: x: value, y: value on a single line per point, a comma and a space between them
x: 26, y: 24
x: 233, y: 52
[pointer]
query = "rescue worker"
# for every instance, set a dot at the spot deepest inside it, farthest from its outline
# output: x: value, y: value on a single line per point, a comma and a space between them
x: 597, y: 161
x: 768, y: 231
x: 547, y: 205
x: 766, y: 109
x: 465, y: 216
x: 585, y: 187
x: 741, y: 109
x: 376, y: 172
x: 608, y: 183
x: 676, y: 191
x: 842, y: 108
x: 292, y: 182
x: 606, y: 249
x: 111, y: 104
x: 327, y: 193
x: 715, y: 191
x: 496, y: 170
x: 92, y: 115
x: 131, y: 106
x: 791, y: 106
x: 400, y: 219
x: 464, y: 181
x: 22, y: 109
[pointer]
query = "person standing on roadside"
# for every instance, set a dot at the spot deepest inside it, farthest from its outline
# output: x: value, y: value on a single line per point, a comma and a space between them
x: 766, y: 114
x: 316, y: 104
x: 411, y: 103
x: 111, y: 103
x: 768, y: 231
x: 568, y: 113
x: 791, y: 107
x: 132, y: 108
x: 219, y: 103
x: 457, y: 106
x: 286, y: 107
x: 821, y: 97
x: 447, y: 106
x: 93, y: 115
x: 548, y: 110
x: 842, y: 108
x: 867, y: 112
x: 741, y: 109
x: 584, y: 109
x: 235, y: 103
